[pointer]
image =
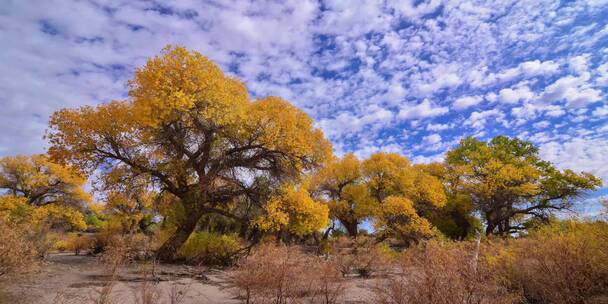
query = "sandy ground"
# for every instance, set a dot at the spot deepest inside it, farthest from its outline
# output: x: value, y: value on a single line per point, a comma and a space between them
x: 67, y: 279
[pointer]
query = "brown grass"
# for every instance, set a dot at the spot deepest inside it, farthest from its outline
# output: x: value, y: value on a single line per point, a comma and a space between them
x: 117, y: 253
x: 361, y: 256
x: 17, y: 253
x: 567, y: 263
x: 279, y: 274
x: 563, y: 263
x: 436, y: 273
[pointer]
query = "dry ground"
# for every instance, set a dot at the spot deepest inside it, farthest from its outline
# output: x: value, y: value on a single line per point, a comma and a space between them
x: 67, y: 279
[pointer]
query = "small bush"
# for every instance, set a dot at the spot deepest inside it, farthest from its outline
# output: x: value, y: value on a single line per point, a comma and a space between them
x: 16, y: 252
x: 562, y: 263
x: 361, y: 256
x: 139, y: 244
x: 279, y: 274
x: 76, y: 243
x: 437, y: 273
x: 210, y: 248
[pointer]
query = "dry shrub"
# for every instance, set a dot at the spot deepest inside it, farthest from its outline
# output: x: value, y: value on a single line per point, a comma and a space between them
x: 111, y: 230
x: 563, y: 263
x: 17, y: 253
x: 82, y: 243
x: 146, y: 293
x: 279, y: 274
x: 117, y: 253
x: 74, y: 242
x: 138, y: 245
x: 361, y: 256
x: 329, y: 287
x: 177, y: 294
x: 435, y: 273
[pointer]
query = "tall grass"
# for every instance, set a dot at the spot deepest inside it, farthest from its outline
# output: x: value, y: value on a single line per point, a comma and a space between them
x: 563, y: 263
x: 566, y: 262
x: 280, y: 274
x: 17, y: 253
x: 438, y: 273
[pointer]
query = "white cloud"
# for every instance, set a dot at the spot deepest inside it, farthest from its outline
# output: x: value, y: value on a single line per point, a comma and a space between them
x: 481, y: 77
x: 554, y: 111
x: 575, y: 90
x: 346, y: 124
x: 601, y: 111
x: 432, y: 139
x: 529, y: 69
x: 602, y: 71
x: 466, y: 102
x: 440, y: 77
x: 536, y: 67
x: 428, y: 159
x: 424, y: 109
x: 478, y: 120
x: 409, y: 9
x: 579, y: 64
x: 515, y: 95
x: 437, y: 127
x: 541, y: 124
x: 579, y: 154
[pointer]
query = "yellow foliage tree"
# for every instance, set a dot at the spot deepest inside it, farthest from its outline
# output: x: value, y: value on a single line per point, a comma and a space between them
x: 41, y: 193
x: 402, y: 192
x: 341, y: 184
x: 17, y: 211
x: 195, y: 133
x: 456, y: 219
x: 510, y: 185
x: 391, y: 174
x: 398, y: 218
x: 129, y: 198
x: 42, y: 182
x: 385, y: 188
x: 293, y: 210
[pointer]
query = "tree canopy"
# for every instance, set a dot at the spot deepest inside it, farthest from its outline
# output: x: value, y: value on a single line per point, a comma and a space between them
x: 510, y: 185
x: 385, y: 189
x: 42, y: 193
x: 42, y: 182
x: 195, y: 133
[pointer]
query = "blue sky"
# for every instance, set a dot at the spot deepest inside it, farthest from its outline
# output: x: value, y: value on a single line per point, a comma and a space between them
x: 406, y: 76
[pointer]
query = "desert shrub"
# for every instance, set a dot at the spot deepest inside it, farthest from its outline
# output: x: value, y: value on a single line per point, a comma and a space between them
x: 329, y: 285
x: 280, y: 274
x: 16, y: 252
x: 112, y: 231
x: 61, y: 245
x: 439, y: 272
x: 147, y: 293
x: 74, y: 242
x: 82, y: 243
x: 565, y: 262
x: 36, y: 224
x: 361, y: 256
x: 210, y: 248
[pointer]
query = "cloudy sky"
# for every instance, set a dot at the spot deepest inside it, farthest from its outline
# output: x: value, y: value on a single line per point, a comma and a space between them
x: 396, y: 75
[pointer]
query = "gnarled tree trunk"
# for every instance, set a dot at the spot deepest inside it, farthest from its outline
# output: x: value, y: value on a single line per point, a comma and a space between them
x: 351, y: 228
x: 168, y: 250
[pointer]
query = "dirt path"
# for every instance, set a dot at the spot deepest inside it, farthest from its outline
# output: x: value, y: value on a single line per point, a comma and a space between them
x: 67, y: 279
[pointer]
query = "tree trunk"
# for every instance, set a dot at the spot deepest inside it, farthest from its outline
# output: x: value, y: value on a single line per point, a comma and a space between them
x: 167, y: 252
x: 490, y: 228
x: 351, y: 228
